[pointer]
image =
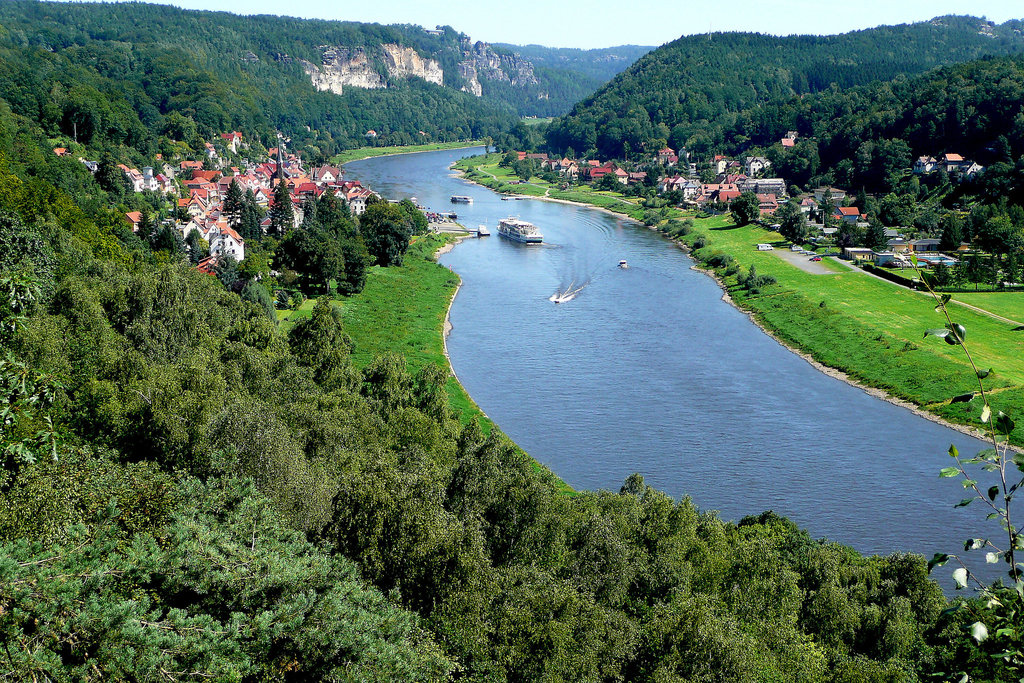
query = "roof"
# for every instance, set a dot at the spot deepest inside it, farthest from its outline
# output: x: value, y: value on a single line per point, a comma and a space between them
x: 849, y: 211
x: 953, y: 157
x: 134, y: 216
x: 788, y: 142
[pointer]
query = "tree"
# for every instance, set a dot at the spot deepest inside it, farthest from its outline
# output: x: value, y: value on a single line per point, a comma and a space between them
x: 420, y: 226
x: 875, y: 237
x: 386, y: 231
x: 257, y: 294
x: 197, y: 247
x: 234, y: 204
x: 282, y: 215
x: 792, y: 222
x: 952, y: 232
x: 745, y: 208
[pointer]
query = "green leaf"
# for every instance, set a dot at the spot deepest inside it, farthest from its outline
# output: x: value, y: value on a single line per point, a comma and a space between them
x: 992, y: 558
x: 936, y: 333
x: 959, y: 330
x: 937, y: 561
x: 964, y: 503
x: 913, y: 259
x: 960, y: 576
x: 953, y: 452
x: 986, y: 413
x: 982, y: 374
x: 1004, y: 424
x: 979, y: 631
x: 944, y: 299
x: 993, y: 491
x: 1018, y: 460
x: 949, y: 472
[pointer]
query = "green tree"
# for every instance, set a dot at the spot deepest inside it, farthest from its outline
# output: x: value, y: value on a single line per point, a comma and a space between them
x: 874, y: 237
x: 952, y: 232
x: 792, y: 222
x: 745, y: 208
x: 386, y: 231
x: 234, y: 204
x: 282, y: 215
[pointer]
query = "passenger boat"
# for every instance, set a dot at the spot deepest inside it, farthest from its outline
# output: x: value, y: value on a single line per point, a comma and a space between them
x: 482, y: 231
x: 461, y: 199
x: 519, y: 231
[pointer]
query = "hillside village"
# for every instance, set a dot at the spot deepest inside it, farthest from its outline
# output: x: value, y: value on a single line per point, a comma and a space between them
x: 828, y: 216
x: 198, y: 189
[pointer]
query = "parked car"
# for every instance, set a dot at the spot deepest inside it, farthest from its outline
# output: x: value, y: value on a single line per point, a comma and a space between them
x: 815, y: 258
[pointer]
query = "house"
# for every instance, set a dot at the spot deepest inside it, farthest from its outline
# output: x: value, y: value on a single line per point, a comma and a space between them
x: 775, y: 186
x: 788, y: 142
x: 232, y: 140
x: 61, y: 151
x: 972, y: 170
x: 208, y: 266
x: 898, y: 245
x: 768, y: 204
x: 858, y: 254
x: 598, y: 172
x: 621, y: 176
x: 370, y: 134
x: 93, y: 166
x: 356, y: 198
x: 924, y: 165
x: 807, y: 205
x: 191, y: 166
x: 850, y: 214
x: 211, y: 152
x: 537, y: 157
x: 924, y: 245
x: 635, y: 178
x: 225, y: 241
x: 719, y: 163
x: 953, y: 162
x: 666, y: 156
x: 756, y: 165
x: 837, y: 194
x: 133, y: 219
x: 324, y: 175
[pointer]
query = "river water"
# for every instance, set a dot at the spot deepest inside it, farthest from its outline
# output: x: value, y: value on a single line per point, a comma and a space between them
x: 648, y: 370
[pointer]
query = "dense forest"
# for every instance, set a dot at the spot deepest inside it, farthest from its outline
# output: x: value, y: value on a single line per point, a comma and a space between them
x: 190, y: 492
x: 252, y: 77
x: 690, y: 92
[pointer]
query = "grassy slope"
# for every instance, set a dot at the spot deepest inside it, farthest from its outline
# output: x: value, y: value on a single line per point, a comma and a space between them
x: 869, y: 328
x: 367, y: 152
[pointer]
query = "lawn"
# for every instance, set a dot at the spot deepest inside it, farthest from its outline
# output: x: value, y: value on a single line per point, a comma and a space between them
x: 367, y: 152
x: 1007, y: 304
x: 872, y: 329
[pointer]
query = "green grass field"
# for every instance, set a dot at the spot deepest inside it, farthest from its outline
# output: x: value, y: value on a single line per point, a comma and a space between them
x: 367, y: 152
x: 1007, y: 304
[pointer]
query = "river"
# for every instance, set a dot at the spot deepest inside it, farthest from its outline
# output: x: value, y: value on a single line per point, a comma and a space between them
x: 648, y: 370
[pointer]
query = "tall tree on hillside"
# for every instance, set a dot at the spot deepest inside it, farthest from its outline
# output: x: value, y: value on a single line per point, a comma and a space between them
x: 234, y: 204
x: 252, y: 216
x: 875, y: 238
x: 952, y: 232
x: 282, y: 215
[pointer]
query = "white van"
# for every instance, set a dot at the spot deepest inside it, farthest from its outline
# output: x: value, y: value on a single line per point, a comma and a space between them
x: 765, y: 247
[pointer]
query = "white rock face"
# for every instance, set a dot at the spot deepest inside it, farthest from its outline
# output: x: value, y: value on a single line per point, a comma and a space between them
x: 404, y: 62
x: 472, y: 81
x: 351, y: 67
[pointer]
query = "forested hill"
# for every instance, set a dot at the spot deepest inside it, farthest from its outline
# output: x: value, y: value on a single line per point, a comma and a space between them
x: 687, y: 93
x: 569, y: 74
x: 404, y: 82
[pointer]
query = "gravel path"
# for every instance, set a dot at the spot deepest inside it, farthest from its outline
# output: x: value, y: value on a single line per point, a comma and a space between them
x: 804, y: 262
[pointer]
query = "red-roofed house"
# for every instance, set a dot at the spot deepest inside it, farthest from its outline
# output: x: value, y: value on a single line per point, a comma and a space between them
x: 665, y: 154
x: 208, y: 266
x: 788, y: 142
x: 850, y: 214
x: 768, y: 203
x: 232, y: 140
x: 133, y: 218
x: 61, y: 151
x: 954, y: 162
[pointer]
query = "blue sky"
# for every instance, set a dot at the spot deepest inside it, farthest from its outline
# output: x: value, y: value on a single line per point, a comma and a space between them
x: 603, y: 23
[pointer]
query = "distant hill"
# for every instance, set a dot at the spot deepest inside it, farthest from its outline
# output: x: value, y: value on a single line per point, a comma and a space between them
x: 259, y: 73
x: 689, y: 92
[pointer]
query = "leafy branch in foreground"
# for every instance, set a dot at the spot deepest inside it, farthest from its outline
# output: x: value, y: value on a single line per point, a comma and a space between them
x: 999, y: 611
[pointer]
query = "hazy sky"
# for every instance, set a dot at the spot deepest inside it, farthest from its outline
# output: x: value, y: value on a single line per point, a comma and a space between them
x: 603, y: 23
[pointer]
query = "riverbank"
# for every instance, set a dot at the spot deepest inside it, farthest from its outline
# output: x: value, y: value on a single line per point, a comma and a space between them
x: 863, y: 330
x: 369, y: 152
x: 406, y: 310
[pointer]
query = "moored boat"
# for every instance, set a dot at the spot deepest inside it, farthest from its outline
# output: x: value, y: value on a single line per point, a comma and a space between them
x: 461, y: 199
x: 519, y: 231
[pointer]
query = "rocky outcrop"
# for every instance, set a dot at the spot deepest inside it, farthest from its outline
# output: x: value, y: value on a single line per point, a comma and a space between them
x: 342, y: 66
x: 480, y: 62
x: 403, y: 62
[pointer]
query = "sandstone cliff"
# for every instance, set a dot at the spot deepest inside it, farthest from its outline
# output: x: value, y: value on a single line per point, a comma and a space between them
x: 342, y: 66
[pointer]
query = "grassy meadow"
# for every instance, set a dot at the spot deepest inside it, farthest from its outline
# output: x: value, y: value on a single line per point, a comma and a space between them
x: 368, y: 152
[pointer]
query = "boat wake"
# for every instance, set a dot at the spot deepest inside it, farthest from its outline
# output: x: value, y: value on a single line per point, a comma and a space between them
x: 568, y: 294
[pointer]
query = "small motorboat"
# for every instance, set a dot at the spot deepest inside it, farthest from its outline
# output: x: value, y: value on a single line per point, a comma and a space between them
x: 623, y: 264
x: 482, y: 231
